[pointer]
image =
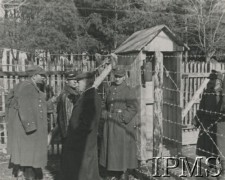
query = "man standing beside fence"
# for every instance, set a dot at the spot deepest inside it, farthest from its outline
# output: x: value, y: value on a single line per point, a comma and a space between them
x: 26, y: 114
x: 118, y: 148
x: 79, y: 158
x: 65, y: 103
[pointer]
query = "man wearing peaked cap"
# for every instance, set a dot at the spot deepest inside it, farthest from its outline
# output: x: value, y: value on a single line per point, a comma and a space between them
x: 207, y: 118
x: 119, y: 128
x: 65, y: 102
x: 26, y: 113
x: 71, y: 75
x: 120, y: 72
x: 80, y: 153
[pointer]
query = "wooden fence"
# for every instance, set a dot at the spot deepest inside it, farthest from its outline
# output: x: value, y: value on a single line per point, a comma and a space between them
x: 194, y: 73
x: 13, y: 72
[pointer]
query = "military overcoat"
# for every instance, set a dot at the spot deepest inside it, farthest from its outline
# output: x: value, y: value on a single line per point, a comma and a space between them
x: 118, y: 149
x: 26, y: 114
x: 80, y: 158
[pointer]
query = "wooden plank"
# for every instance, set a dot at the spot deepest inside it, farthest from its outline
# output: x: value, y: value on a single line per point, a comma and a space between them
x: 195, y: 97
x: 190, y: 92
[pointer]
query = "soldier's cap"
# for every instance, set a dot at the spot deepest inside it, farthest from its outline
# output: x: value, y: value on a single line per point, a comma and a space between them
x: 34, y: 70
x: 120, y: 72
x: 215, y: 75
x: 71, y: 75
x: 86, y: 75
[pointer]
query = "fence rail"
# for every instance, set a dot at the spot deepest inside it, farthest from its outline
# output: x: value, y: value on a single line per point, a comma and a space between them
x: 12, y: 72
x: 194, y: 74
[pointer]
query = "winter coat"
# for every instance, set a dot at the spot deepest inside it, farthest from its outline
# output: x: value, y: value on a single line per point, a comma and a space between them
x: 118, y: 148
x: 208, y: 117
x: 65, y: 103
x: 26, y: 115
x: 80, y: 158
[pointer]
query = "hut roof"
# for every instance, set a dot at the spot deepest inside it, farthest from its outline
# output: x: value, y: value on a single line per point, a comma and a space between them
x: 140, y: 39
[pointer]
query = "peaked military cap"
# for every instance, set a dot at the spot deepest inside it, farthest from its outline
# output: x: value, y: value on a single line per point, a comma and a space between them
x: 71, y: 75
x: 120, y: 72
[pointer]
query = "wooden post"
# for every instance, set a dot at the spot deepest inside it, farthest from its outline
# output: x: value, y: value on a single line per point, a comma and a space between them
x: 158, y: 105
x: 179, y: 103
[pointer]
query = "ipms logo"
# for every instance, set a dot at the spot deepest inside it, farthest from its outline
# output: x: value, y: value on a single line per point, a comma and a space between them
x: 188, y: 169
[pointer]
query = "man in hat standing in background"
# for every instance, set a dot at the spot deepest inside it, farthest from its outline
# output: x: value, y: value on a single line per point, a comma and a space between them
x: 207, y: 118
x: 118, y: 148
x: 26, y: 113
x: 65, y: 103
x: 80, y: 158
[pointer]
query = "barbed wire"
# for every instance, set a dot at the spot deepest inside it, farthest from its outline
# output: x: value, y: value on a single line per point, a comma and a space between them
x: 207, y: 131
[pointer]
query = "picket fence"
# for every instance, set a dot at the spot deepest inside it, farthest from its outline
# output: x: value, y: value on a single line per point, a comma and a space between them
x: 12, y: 72
x: 193, y: 74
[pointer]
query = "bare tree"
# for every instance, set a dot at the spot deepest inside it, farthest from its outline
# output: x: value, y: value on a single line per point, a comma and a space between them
x: 206, y: 25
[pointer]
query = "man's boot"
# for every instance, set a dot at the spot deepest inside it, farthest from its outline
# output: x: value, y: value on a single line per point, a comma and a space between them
x: 29, y: 173
x: 124, y: 176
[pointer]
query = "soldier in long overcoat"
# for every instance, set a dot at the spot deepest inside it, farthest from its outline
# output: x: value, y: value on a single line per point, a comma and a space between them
x: 208, y: 116
x: 80, y: 155
x: 26, y: 114
x: 118, y: 148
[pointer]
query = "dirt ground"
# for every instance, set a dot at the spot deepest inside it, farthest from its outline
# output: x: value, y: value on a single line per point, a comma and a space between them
x: 50, y: 172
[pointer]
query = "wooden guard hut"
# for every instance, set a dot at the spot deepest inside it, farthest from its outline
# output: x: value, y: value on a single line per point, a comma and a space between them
x: 152, y: 58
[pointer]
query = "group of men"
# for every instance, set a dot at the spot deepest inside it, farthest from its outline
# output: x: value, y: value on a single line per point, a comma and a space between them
x: 79, y: 109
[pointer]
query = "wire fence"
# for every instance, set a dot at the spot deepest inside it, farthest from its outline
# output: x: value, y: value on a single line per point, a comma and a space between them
x: 193, y: 74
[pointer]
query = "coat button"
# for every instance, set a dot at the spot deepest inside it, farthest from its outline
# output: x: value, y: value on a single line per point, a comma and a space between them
x: 28, y: 124
x: 39, y: 105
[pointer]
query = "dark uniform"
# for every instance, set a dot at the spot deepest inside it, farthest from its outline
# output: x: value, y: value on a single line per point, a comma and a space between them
x: 65, y: 103
x: 79, y: 158
x: 207, y: 118
x: 118, y: 148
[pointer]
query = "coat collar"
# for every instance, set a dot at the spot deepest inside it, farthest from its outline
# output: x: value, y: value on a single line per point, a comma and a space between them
x: 34, y: 84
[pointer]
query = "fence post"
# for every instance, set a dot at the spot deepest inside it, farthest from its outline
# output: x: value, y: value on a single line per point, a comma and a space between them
x: 179, y: 102
x: 158, y: 105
